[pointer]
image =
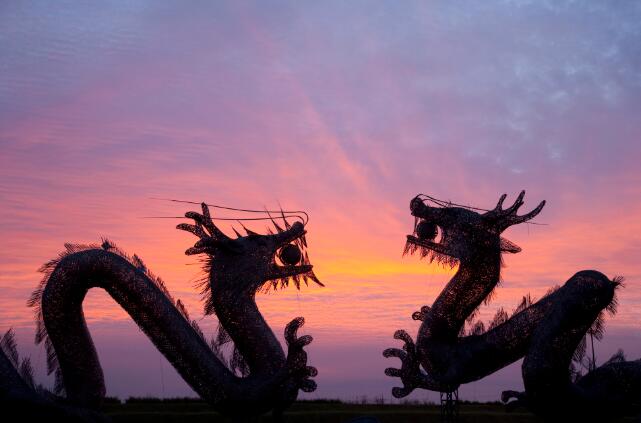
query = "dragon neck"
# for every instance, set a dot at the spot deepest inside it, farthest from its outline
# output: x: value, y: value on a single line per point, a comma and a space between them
x: 238, y: 313
x: 152, y: 309
x: 473, y: 282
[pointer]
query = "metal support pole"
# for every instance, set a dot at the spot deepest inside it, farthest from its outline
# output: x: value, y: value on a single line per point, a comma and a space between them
x: 449, y: 406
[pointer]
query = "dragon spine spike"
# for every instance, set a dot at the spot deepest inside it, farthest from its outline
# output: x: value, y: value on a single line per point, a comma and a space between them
x: 235, y: 270
x: 9, y: 347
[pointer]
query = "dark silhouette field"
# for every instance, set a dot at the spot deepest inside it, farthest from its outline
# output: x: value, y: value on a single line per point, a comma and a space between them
x: 318, y: 411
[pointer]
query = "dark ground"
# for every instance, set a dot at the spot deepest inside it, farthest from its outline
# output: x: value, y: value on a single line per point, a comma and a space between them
x: 192, y: 411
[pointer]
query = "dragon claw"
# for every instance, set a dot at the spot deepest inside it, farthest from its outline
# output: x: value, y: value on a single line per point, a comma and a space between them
x: 395, y: 352
x: 304, y: 340
x: 308, y: 385
x: 407, y: 339
x: 402, y: 335
x: 393, y: 372
x: 297, y: 357
x: 291, y: 329
x: 421, y: 314
x: 400, y: 392
x: 410, y: 372
x: 312, y: 371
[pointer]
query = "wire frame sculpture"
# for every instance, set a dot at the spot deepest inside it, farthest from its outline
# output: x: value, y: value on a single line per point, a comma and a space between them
x: 258, y: 376
x: 21, y: 397
x: 453, y: 347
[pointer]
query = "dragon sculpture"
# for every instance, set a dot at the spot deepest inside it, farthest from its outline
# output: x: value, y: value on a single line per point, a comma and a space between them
x: 21, y: 396
x: 547, y: 333
x: 257, y: 378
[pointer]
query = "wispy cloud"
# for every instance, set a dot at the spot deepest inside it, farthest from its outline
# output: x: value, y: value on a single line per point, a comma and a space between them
x: 346, y: 110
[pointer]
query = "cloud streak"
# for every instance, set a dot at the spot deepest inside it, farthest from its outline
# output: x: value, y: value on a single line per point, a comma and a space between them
x: 346, y: 110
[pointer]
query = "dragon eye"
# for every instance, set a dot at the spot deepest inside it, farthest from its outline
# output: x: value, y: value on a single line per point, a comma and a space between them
x: 426, y: 230
x: 290, y: 254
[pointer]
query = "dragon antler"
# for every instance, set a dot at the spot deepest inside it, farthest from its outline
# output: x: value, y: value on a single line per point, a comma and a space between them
x: 501, y: 219
x: 205, y: 229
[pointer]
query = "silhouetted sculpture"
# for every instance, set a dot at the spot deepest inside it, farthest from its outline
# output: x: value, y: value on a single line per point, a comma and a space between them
x: 22, y: 400
x: 547, y: 333
x: 258, y: 378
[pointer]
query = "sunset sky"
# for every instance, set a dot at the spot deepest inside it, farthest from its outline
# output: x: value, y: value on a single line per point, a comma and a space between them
x: 344, y: 109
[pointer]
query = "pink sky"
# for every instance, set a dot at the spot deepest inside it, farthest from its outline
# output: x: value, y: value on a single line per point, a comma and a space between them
x: 345, y: 110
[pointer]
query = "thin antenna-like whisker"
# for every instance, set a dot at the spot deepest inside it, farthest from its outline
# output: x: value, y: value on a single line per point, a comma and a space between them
x: 213, y: 218
x: 449, y: 203
x: 293, y: 212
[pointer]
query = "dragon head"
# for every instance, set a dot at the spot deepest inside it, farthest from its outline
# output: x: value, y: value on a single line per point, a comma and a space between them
x: 451, y: 233
x: 247, y: 264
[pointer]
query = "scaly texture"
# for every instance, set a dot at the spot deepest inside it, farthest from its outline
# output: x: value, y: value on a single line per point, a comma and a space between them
x: 549, y: 333
x: 257, y: 377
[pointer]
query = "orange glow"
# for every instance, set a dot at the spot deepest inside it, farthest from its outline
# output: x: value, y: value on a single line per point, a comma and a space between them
x: 344, y: 114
